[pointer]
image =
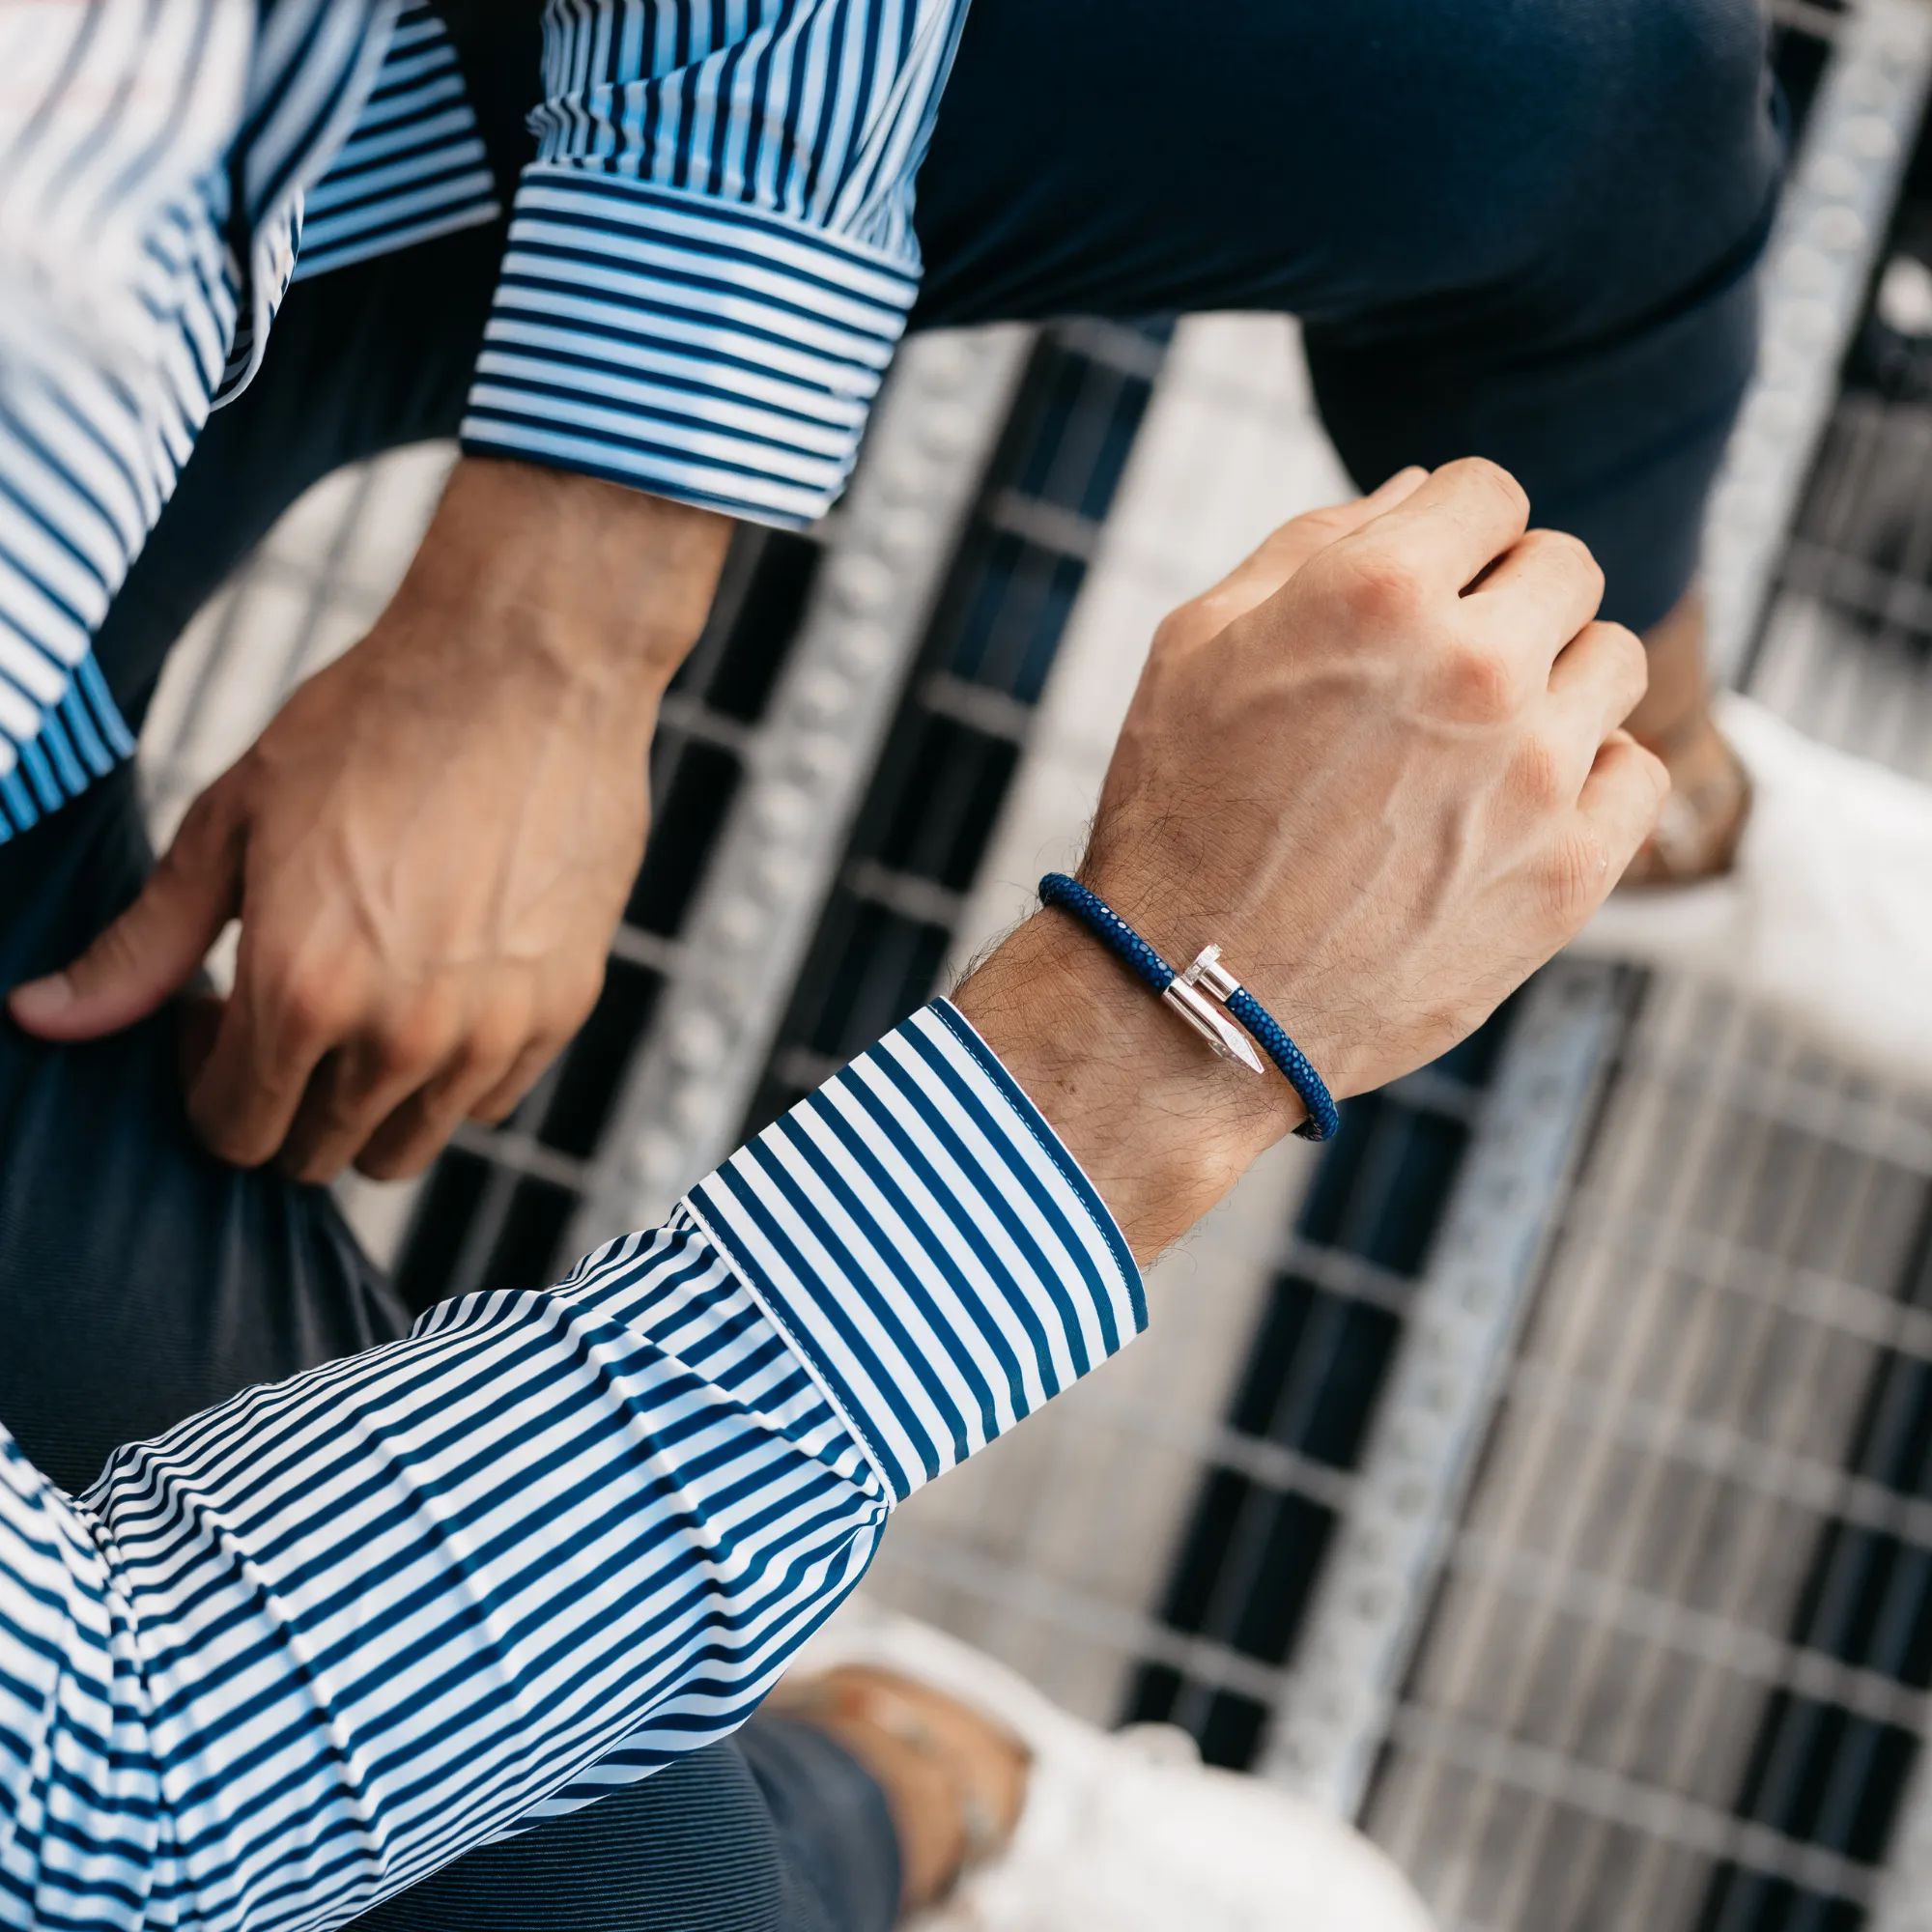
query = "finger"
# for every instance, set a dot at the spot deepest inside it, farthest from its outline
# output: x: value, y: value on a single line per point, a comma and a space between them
x: 1593, y: 688
x: 271, y: 1038
x: 421, y: 1126
x: 1285, y: 550
x: 154, y: 947
x: 500, y: 1070
x: 1452, y: 527
x: 1262, y: 573
x: 1542, y: 592
x: 503, y: 1099
x: 1621, y: 800
x: 194, y: 1040
x: 353, y: 1091
x: 1598, y: 679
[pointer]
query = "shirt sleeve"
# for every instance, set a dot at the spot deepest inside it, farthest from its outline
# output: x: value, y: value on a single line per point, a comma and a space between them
x: 150, y: 201
x: 712, y: 258
x: 310, y: 1645
x: 117, y: 310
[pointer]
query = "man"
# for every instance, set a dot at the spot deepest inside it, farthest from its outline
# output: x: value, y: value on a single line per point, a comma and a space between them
x: 309, y: 1646
x: 1527, y: 232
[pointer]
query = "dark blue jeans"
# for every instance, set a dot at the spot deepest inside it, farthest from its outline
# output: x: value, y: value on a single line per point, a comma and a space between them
x: 1522, y: 228
x: 141, y: 1280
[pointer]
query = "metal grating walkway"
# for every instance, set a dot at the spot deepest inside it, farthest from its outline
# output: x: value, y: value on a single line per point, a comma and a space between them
x: 1675, y: 1671
x: 1666, y: 1667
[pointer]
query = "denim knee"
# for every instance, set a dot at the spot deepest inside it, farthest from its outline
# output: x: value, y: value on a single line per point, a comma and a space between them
x: 1675, y: 166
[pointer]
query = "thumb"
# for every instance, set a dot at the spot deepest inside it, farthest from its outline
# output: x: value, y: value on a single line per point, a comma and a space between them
x: 151, y: 950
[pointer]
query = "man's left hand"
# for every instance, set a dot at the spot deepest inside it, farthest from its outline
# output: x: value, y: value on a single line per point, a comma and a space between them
x: 431, y: 845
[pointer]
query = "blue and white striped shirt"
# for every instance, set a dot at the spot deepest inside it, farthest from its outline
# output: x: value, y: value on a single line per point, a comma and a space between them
x: 710, y: 263
x: 309, y: 1646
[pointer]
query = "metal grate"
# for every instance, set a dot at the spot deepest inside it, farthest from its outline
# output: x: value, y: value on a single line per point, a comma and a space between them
x: 1621, y: 1595
x: 1246, y: 1574
x: 1674, y: 1671
x: 1315, y: 1370
x: 943, y: 773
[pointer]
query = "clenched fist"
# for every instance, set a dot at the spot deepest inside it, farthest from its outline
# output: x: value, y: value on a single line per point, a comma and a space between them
x: 1382, y: 766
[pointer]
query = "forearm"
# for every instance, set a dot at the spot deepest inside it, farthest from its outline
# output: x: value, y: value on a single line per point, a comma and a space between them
x: 528, y: 568
x: 1161, y: 1127
x: 315, y: 1642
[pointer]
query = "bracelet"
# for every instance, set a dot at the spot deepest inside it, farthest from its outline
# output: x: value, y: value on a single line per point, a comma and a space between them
x: 1183, y: 992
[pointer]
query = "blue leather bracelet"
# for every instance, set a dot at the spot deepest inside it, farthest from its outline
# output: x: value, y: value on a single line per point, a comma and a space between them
x: 1193, y: 994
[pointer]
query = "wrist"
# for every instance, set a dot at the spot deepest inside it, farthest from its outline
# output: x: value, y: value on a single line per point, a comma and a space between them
x: 591, y: 582
x: 1161, y: 1126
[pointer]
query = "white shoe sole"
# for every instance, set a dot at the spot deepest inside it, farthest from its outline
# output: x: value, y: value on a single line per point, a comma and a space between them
x: 1125, y: 1832
x: 1826, y: 918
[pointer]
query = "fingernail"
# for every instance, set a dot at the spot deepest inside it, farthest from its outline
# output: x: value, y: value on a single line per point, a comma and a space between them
x: 42, y: 998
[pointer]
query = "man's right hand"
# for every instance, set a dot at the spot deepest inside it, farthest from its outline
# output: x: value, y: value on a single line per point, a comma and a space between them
x: 1382, y: 767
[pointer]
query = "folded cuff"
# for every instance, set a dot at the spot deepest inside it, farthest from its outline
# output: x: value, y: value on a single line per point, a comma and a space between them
x: 708, y: 353
x: 928, y: 1248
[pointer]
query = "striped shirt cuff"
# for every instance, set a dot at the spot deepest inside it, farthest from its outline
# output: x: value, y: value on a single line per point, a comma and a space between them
x: 928, y: 1248
x: 709, y: 352
x: 82, y: 738
x: 414, y: 166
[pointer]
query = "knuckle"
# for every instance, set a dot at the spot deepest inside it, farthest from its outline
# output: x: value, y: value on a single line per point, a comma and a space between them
x: 1332, y: 521
x: 411, y: 1041
x: 1536, y: 774
x: 1614, y: 664
x: 498, y: 1105
x: 1480, y: 683
x: 236, y: 1150
x: 1380, y: 589
x: 494, y: 1045
x: 1561, y: 544
x: 1572, y: 876
x: 311, y: 1007
x: 1629, y: 657
x: 1183, y: 627
x: 1572, y: 555
x: 401, y: 1163
x: 227, y: 1139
